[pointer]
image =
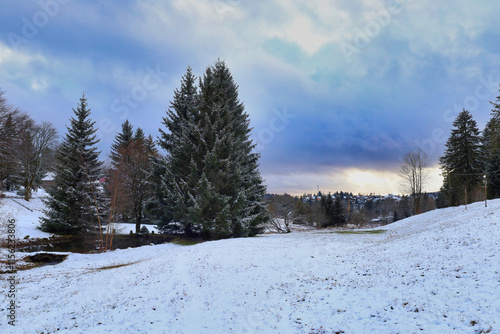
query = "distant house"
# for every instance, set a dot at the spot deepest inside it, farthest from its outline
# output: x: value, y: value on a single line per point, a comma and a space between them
x: 48, y: 181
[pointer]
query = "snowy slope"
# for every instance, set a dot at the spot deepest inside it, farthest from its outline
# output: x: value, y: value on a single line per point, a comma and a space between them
x: 438, y: 272
x: 25, y: 213
x: 27, y: 216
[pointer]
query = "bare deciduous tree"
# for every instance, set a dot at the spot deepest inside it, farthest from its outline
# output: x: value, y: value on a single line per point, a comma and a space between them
x: 11, y: 120
x: 34, y: 152
x: 282, y: 208
x: 415, y: 174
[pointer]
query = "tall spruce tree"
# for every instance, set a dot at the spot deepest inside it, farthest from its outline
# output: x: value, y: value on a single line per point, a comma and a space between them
x: 230, y: 172
x: 179, y: 170
x: 71, y: 204
x: 491, y: 141
x: 121, y: 141
x: 213, y: 178
x: 463, y: 163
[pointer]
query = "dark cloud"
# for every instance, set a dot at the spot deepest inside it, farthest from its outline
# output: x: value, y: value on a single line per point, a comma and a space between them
x: 313, y: 108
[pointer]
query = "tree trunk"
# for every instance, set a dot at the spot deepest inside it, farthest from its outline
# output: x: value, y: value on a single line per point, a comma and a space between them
x: 138, y: 219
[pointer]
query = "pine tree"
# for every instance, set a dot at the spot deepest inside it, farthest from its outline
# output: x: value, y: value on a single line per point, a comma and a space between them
x: 71, y: 204
x: 327, y: 206
x: 339, y: 218
x: 334, y: 210
x: 130, y: 177
x: 122, y: 140
x: 179, y: 171
x: 404, y: 206
x: 114, y: 182
x: 150, y: 145
x: 463, y: 162
x: 491, y: 142
x: 213, y: 179
x: 159, y: 206
x: 139, y: 135
x: 230, y: 168
x: 395, y: 216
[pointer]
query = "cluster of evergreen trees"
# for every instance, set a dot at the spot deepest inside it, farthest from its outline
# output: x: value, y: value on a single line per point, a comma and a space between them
x: 208, y: 183
x: 471, y: 161
x: 333, y: 210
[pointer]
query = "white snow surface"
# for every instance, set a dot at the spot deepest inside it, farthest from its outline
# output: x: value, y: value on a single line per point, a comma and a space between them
x: 25, y: 213
x: 125, y: 228
x: 437, y: 272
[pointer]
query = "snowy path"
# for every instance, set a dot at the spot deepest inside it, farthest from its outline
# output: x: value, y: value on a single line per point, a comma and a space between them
x: 435, y: 273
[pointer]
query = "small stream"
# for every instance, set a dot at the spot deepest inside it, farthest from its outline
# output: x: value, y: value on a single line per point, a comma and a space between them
x: 76, y: 244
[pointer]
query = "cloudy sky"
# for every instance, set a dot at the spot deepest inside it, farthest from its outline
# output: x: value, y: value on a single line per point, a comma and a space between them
x: 337, y: 91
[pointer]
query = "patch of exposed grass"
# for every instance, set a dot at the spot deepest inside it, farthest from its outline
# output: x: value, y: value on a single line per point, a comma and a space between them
x: 21, y: 267
x: 362, y: 232
x: 115, y: 266
x: 359, y: 232
x: 186, y: 242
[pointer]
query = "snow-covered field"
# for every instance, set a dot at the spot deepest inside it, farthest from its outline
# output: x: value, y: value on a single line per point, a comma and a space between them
x: 26, y: 214
x: 438, y: 272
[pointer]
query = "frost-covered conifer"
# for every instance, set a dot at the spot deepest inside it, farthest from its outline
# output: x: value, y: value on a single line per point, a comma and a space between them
x: 463, y: 160
x: 70, y: 207
x: 213, y: 176
x: 122, y: 139
x: 491, y: 141
x: 179, y: 171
